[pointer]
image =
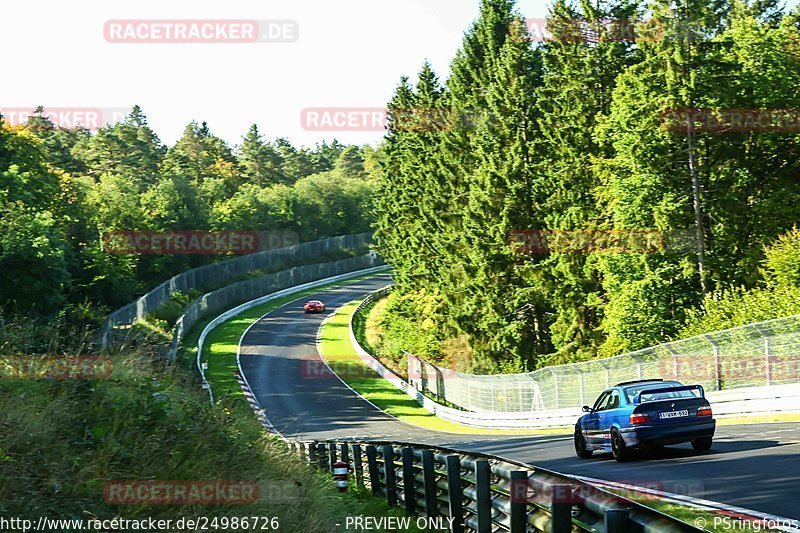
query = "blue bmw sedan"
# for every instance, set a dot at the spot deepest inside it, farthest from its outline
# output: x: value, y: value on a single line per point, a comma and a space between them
x: 645, y: 413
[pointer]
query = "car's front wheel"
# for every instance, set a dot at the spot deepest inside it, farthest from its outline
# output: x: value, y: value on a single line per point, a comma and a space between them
x: 619, y: 449
x: 580, y: 445
x: 702, y: 444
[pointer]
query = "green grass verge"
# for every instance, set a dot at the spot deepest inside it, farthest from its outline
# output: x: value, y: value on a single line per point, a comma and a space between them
x: 63, y: 440
x: 336, y: 349
x: 698, y: 517
x: 759, y: 419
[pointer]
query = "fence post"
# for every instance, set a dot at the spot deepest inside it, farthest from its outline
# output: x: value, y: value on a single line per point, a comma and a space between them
x: 312, y: 453
x: 358, y: 466
x: 331, y: 455
x: 429, y: 479
x: 561, y: 508
x: 519, y: 503
x: 483, y: 499
x: 304, y: 451
x: 372, y: 465
x: 616, y: 520
x: 322, y: 456
x: 767, y: 361
x: 410, y: 496
x: 388, y: 469
x: 717, y: 367
x: 555, y: 386
x: 675, y: 365
x: 454, y: 493
x: 580, y: 374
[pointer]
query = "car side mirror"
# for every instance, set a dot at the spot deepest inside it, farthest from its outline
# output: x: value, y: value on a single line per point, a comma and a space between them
x: 587, y: 409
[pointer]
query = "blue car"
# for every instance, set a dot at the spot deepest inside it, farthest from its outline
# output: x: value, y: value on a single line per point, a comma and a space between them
x: 645, y: 413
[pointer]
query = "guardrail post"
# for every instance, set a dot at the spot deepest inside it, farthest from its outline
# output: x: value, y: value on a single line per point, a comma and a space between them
x: 429, y: 480
x: 312, y: 452
x: 322, y: 456
x: 372, y: 465
x: 343, y: 452
x: 454, y: 493
x: 616, y: 520
x: 483, y: 500
x: 331, y: 455
x: 561, y: 508
x: 519, y: 501
x: 388, y: 469
x: 358, y: 466
x: 410, y: 496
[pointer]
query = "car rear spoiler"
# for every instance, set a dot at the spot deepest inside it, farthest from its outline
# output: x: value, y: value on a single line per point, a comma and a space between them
x: 659, y: 390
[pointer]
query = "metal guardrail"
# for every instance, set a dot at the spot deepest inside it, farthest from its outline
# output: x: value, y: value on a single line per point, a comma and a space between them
x: 483, y: 493
x: 118, y: 323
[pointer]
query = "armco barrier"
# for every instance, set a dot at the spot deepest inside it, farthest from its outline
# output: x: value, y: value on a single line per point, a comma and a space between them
x: 483, y: 493
x: 765, y: 400
x: 118, y: 323
x: 263, y: 298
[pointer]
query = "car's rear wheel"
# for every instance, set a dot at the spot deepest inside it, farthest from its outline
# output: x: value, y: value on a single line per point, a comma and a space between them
x: 580, y: 445
x: 619, y: 449
x: 702, y: 444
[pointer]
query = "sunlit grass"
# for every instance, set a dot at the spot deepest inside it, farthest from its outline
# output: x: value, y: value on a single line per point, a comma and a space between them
x: 336, y: 349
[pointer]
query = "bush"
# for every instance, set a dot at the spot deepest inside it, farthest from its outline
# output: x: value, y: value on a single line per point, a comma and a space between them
x: 63, y: 440
x: 782, y: 260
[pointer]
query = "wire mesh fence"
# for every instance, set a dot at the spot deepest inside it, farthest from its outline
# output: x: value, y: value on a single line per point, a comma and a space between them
x: 766, y: 353
x: 119, y: 322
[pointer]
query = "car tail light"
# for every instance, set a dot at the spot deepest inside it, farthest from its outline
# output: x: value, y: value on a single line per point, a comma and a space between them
x: 704, y: 411
x: 640, y: 418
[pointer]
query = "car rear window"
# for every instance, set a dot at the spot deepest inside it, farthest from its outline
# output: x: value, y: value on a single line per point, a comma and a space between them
x: 631, y: 392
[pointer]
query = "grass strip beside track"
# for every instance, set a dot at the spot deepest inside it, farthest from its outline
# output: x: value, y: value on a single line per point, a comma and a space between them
x: 337, y: 350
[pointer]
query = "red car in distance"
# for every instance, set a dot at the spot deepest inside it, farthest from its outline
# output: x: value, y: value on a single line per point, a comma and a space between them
x: 314, y: 306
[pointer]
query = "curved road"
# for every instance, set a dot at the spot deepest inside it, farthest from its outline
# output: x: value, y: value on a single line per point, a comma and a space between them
x: 755, y: 466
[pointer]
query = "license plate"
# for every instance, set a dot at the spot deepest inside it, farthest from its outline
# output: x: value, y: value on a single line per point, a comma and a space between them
x: 674, y: 414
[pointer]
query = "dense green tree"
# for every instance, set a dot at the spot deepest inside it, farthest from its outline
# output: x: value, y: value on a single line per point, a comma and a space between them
x: 35, y: 277
x: 129, y: 148
x: 261, y: 162
x: 350, y: 162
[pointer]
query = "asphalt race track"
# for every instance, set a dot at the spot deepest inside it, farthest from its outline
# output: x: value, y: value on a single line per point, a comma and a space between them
x: 756, y: 466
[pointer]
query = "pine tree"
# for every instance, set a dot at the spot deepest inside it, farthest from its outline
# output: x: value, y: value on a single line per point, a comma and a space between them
x: 261, y: 163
